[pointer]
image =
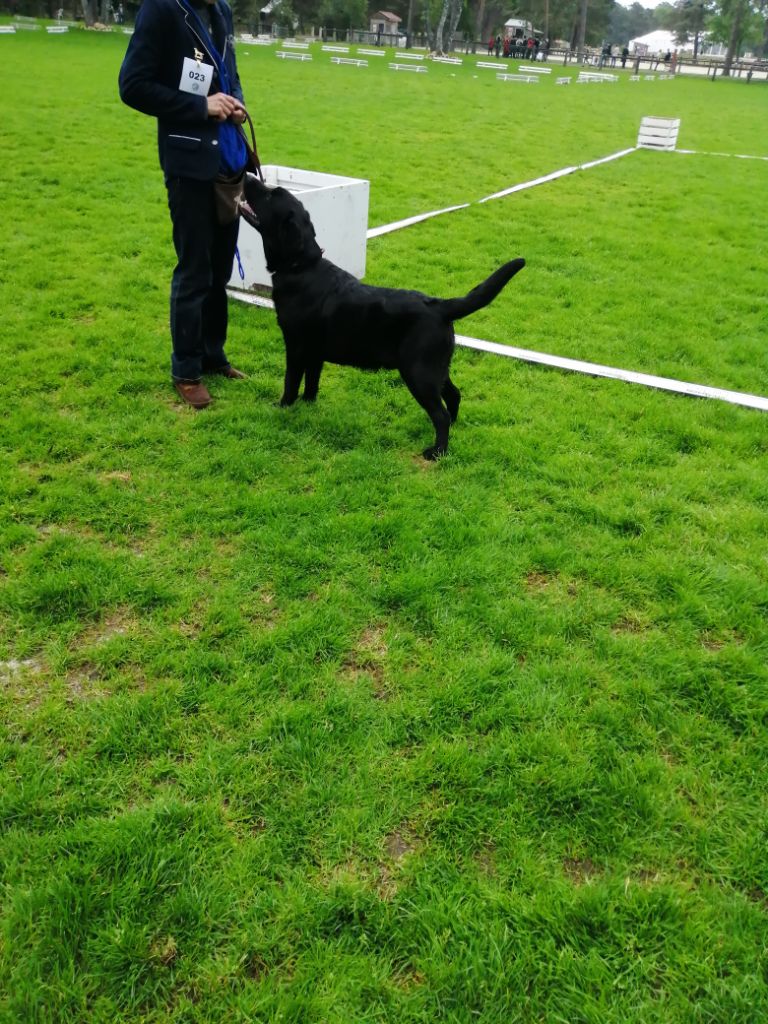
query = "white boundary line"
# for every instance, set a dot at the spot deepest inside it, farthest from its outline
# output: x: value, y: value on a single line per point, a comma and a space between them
x: 385, y: 229
x: 578, y: 366
x: 703, y: 152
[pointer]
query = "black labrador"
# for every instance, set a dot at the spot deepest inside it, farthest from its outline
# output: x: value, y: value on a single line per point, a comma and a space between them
x: 327, y: 315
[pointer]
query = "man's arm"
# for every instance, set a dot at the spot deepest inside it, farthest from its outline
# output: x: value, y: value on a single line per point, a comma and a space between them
x: 140, y: 81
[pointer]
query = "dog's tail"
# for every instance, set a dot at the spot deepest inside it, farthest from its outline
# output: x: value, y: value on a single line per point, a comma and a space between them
x: 455, y: 309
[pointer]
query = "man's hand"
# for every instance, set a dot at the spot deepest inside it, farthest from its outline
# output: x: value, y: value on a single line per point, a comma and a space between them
x: 223, y: 107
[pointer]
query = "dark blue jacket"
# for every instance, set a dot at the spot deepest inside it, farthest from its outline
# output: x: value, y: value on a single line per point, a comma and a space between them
x: 149, y: 80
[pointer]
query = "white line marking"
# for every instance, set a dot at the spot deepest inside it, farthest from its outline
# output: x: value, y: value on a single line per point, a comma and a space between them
x: 737, y: 156
x: 386, y: 228
x: 578, y: 366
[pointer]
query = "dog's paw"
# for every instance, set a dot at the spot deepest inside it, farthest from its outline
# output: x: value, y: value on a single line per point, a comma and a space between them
x: 433, y: 453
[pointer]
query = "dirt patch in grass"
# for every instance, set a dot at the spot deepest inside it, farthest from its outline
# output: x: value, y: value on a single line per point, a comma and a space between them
x: 537, y: 580
x: 367, y: 658
x: 119, y: 622
x: 580, y: 870
x: 22, y: 680
x: 629, y: 623
x: 715, y: 642
x: 398, y: 845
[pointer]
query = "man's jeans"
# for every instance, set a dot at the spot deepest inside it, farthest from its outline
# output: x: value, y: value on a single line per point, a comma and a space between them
x: 205, y: 251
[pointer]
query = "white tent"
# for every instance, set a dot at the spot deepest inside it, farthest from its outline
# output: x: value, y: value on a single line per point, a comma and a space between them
x: 654, y: 42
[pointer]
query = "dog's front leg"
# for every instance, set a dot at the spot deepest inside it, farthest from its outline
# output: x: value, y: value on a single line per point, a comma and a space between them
x: 312, y: 380
x: 294, y: 371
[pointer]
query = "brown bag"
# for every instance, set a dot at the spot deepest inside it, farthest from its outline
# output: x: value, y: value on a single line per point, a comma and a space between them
x: 228, y: 189
x: 227, y: 193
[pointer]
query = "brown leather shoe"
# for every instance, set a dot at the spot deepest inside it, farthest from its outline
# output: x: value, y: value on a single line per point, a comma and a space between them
x: 194, y: 393
x: 229, y: 372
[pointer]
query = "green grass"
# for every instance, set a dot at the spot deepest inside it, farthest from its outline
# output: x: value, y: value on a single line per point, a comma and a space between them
x: 296, y: 727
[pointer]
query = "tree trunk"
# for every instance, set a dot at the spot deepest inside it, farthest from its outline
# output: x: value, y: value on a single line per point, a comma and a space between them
x: 582, y: 28
x: 455, y: 14
x: 479, y: 24
x: 438, y: 47
x: 88, y: 16
x: 735, y: 38
x: 409, y: 26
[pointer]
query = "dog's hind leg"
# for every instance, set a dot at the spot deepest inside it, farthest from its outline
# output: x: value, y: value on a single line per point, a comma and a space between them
x: 451, y: 397
x: 427, y: 393
x: 312, y: 381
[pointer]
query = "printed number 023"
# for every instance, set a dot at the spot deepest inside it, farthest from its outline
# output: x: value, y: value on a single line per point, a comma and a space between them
x: 197, y: 76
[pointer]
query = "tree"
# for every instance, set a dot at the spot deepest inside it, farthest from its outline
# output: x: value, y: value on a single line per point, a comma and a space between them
x: 688, y: 21
x: 738, y: 12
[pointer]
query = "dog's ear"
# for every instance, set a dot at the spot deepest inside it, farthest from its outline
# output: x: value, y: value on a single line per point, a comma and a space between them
x: 291, y: 236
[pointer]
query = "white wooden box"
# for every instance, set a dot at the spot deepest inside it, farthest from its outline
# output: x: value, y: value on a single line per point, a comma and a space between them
x: 658, y: 133
x: 338, y: 207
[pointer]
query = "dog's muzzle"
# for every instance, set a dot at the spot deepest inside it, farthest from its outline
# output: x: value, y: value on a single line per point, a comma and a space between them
x: 246, y: 211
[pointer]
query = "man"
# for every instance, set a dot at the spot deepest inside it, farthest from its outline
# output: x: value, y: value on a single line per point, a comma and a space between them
x: 180, y: 68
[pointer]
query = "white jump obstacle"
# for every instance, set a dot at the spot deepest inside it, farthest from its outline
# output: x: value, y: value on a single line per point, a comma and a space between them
x: 565, y: 80
x: 409, y: 56
x: 350, y: 60
x: 488, y: 64
x: 24, y: 26
x: 634, y: 78
x: 338, y: 207
x: 7, y: 30
x: 650, y: 78
x: 56, y: 30
x: 658, y: 133
x: 295, y: 46
x: 447, y: 60
x: 407, y: 67
x: 371, y: 53
x: 528, y: 68
x: 335, y: 49
x: 518, y: 78
x: 594, y: 76
x: 292, y: 56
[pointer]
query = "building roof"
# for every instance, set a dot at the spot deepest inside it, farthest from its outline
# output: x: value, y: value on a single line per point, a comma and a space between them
x: 387, y: 16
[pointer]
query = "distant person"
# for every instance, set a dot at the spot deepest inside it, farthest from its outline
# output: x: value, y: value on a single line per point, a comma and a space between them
x: 506, y: 47
x: 491, y: 44
x: 529, y: 48
x: 624, y: 55
x: 498, y: 45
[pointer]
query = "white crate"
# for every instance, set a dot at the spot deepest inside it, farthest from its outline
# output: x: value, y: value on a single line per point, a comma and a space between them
x: 338, y: 207
x: 658, y: 132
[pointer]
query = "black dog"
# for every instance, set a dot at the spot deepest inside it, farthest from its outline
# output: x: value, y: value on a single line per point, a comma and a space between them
x: 327, y: 315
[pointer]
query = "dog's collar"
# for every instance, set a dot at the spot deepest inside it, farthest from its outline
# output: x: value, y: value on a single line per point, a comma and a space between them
x: 298, y: 265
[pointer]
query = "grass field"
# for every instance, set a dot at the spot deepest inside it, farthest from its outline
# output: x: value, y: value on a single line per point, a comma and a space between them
x: 297, y: 727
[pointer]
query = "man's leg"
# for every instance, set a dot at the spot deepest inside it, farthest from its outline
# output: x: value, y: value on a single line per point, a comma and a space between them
x: 214, y: 325
x: 192, y: 213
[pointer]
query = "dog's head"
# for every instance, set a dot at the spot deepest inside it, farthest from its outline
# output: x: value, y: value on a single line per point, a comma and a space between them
x: 283, y: 223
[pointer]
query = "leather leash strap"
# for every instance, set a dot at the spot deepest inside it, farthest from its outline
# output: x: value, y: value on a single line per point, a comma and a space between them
x: 250, y: 145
